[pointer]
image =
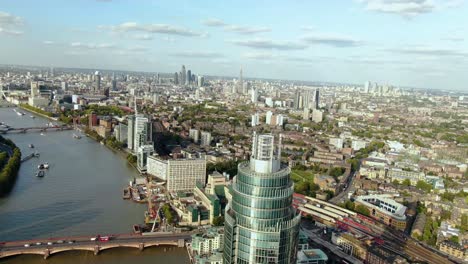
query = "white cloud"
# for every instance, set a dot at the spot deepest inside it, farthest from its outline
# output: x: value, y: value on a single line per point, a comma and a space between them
x: 246, y: 30
x: 270, y: 44
x: 92, y: 46
x: 152, y: 28
x: 10, y: 32
x: 48, y: 42
x: 214, y: 22
x: 431, y: 52
x: 259, y: 56
x: 143, y: 37
x: 9, y: 24
x: 334, y: 40
x: 408, y: 8
x: 7, y: 19
x: 197, y: 54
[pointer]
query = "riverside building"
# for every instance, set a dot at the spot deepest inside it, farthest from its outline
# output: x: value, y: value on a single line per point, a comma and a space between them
x: 261, y: 225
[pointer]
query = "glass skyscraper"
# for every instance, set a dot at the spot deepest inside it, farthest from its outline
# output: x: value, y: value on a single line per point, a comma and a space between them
x: 261, y: 226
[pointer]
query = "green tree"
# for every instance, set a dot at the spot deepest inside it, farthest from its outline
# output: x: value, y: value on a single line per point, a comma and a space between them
x: 455, y: 239
x: 406, y: 182
x: 422, y: 185
x: 362, y: 210
x: 218, y: 220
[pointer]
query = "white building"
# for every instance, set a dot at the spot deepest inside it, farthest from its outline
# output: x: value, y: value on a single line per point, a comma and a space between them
x: 317, y: 116
x: 254, y: 95
x: 205, y: 138
x: 269, y: 101
x: 194, y: 134
x: 269, y: 116
x: 279, y: 120
x: 179, y: 174
x: 143, y: 131
x: 336, y: 142
x: 358, y: 144
x: 255, y: 119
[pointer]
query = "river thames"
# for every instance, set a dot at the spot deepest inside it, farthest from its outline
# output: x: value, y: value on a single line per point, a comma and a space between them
x: 81, y: 194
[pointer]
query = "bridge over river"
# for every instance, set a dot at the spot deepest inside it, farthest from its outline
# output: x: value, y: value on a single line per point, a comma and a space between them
x: 34, y: 129
x: 47, y: 247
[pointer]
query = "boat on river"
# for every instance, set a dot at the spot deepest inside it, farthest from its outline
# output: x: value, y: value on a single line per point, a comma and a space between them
x: 40, y: 173
x: 43, y: 166
x: 76, y: 136
x: 31, y: 146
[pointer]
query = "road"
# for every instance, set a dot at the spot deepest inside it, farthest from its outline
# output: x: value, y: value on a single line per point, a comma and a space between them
x: 86, y: 241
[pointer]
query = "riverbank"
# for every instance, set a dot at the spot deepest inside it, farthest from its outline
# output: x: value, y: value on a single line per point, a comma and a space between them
x: 36, y: 111
x: 10, y: 162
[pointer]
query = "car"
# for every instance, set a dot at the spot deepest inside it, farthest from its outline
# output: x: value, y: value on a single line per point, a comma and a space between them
x: 38, y: 243
x: 50, y: 243
x: 93, y: 238
x: 27, y: 245
x: 60, y: 242
x: 71, y: 241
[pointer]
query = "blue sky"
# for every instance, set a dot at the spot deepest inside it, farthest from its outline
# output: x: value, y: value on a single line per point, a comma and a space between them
x: 420, y: 43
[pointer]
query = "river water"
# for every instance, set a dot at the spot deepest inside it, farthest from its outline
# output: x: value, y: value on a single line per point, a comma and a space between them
x: 81, y: 194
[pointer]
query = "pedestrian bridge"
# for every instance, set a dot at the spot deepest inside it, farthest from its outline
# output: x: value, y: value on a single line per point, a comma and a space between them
x: 139, y: 242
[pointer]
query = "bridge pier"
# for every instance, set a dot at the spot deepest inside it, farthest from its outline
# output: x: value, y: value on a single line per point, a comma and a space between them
x: 141, y: 246
x: 181, y: 243
x: 46, y: 253
x: 96, y: 250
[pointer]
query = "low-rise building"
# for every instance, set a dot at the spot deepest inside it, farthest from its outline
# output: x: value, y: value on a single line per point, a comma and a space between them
x: 453, y: 249
x: 383, y: 208
x: 311, y: 256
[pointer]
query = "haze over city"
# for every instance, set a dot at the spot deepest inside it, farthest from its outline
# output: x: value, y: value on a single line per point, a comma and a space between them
x: 417, y: 43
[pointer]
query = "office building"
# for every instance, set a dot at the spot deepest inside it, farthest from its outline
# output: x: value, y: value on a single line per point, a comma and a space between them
x: 255, y: 120
x: 384, y: 209
x: 201, y: 81
x: 336, y: 142
x: 205, y: 138
x: 312, y: 256
x: 176, y: 78
x: 131, y: 132
x: 143, y: 131
x: 97, y: 81
x: 121, y: 132
x: 269, y: 118
x: 254, y: 95
x: 188, y: 81
x: 64, y: 86
x: 317, y: 116
x: 179, y: 174
x: 143, y: 152
x: 261, y: 225
x: 183, y: 75
x: 306, y: 114
x: 316, y: 98
x: 194, y: 134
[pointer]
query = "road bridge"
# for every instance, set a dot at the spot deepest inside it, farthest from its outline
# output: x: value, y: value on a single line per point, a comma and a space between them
x: 34, y: 129
x: 48, y: 247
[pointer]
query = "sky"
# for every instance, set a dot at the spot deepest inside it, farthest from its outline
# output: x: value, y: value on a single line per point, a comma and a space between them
x: 417, y: 43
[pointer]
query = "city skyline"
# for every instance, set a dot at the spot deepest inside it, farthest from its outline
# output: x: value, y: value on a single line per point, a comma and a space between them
x: 406, y: 43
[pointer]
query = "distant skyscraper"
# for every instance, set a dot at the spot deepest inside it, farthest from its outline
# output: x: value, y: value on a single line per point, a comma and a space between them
x: 114, y: 82
x: 176, y: 78
x: 261, y: 225
x: 201, y: 81
x: 297, y: 100
x: 316, y: 98
x: 189, y: 77
x: 183, y: 75
x: 97, y: 81
x: 241, y: 82
x: 52, y: 72
x: 367, y: 86
x: 254, y: 95
x: 64, y: 86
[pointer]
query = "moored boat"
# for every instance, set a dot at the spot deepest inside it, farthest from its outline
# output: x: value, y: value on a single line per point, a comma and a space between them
x: 40, y: 173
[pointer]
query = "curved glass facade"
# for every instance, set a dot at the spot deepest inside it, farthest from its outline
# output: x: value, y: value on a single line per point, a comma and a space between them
x: 261, y: 226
